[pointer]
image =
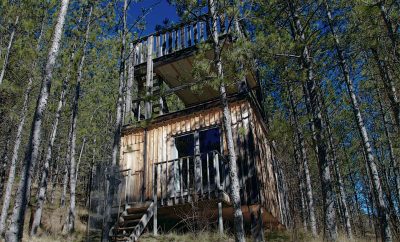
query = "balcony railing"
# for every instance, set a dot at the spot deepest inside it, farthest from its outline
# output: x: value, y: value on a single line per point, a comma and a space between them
x: 190, y: 178
x: 179, y: 37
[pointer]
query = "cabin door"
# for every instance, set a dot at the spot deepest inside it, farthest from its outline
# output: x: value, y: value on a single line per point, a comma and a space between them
x: 135, y: 180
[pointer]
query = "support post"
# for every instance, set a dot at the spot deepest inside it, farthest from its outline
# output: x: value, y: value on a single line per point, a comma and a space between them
x: 220, y: 220
x: 149, y: 78
x: 154, y: 201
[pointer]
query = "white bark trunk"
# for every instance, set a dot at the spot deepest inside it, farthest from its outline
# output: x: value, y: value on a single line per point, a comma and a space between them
x: 330, y: 230
x: 14, y: 159
x: 43, y: 182
x: 70, y: 223
x: 6, y: 57
x: 15, y: 231
x: 117, y: 133
x: 304, y: 161
x: 17, y: 143
x: 233, y: 170
x: 376, y: 183
x: 65, y: 183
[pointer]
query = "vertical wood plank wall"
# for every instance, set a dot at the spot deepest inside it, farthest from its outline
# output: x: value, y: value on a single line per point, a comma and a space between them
x: 252, y: 147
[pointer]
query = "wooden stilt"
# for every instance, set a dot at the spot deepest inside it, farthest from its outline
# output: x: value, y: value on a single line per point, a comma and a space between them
x: 154, y: 201
x: 220, y: 220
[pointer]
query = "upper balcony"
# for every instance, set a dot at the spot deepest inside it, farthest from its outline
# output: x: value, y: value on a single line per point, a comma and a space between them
x: 168, y: 56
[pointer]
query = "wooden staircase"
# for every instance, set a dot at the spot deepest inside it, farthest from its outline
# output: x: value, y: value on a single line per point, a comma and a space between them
x: 131, y: 223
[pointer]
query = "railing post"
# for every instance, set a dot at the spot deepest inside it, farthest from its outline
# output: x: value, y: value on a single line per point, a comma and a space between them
x: 195, y: 36
x: 183, y: 37
x: 155, y: 205
x: 173, y: 179
x: 176, y: 33
x: 208, y: 175
x: 201, y: 31
x: 158, y: 46
x: 170, y: 42
x: 181, y: 179
x: 188, y: 178
x: 127, y: 188
x: 164, y: 44
x: 216, y: 174
x: 189, y: 35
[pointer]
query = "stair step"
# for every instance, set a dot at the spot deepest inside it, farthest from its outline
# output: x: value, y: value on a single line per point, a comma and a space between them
x: 130, y: 222
x: 125, y: 238
x: 132, y: 216
x: 125, y: 228
x: 136, y: 210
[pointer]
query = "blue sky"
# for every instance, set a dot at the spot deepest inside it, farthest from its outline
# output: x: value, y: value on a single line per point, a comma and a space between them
x: 160, y: 11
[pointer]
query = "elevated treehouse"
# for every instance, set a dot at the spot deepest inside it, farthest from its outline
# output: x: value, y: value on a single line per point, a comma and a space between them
x: 173, y: 161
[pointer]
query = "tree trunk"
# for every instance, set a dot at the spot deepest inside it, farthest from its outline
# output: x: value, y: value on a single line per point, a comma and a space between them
x: 17, y: 143
x: 376, y: 183
x: 43, y: 182
x: 117, y: 132
x: 304, y: 161
x: 227, y: 121
x: 80, y: 157
x: 357, y: 204
x: 10, y: 43
x: 130, y: 85
x: 15, y: 231
x: 70, y: 223
x: 65, y: 182
x: 330, y: 231
x: 4, y: 161
x: 392, y: 33
x: 335, y: 164
x: 54, y: 180
x: 389, y: 85
x: 393, y: 164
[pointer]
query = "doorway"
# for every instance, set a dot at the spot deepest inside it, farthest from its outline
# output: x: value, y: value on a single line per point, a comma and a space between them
x: 196, y: 148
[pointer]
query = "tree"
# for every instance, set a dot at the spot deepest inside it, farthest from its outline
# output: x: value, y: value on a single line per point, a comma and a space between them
x: 374, y: 175
x: 17, y: 221
x: 227, y: 121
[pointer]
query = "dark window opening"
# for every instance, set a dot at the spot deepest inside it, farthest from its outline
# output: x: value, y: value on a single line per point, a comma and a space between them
x: 210, y: 140
x: 185, y: 147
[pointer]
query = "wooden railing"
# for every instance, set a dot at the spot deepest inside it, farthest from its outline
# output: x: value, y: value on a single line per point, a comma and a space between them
x: 189, y: 178
x: 176, y: 38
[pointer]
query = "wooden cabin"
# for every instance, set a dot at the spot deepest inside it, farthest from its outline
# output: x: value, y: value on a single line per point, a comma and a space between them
x: 172, y: 161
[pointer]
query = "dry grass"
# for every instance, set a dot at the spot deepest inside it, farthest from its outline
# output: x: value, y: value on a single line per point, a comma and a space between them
x: 187, y: 237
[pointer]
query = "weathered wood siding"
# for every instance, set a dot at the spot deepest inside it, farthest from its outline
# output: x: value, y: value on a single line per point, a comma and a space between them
x: 257, y: 178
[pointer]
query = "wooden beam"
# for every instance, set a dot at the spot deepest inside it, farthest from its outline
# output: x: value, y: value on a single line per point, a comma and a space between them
x: 149, y: 77
x: 220, y: 219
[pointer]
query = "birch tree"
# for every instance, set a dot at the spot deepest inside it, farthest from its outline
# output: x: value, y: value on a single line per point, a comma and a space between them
x: 10, y: 44
x: 118, y: 126
x: 366, y: 144
x: 15, y: 231
x: 70, y: 223
x: 330, y: 227
x: 227, y: 122
x: 17, y: 143
x: 304, y: 161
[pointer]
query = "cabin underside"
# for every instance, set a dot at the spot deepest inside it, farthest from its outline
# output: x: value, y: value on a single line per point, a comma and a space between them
x: 180, y: 159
